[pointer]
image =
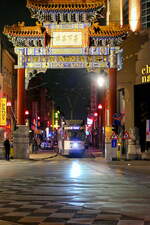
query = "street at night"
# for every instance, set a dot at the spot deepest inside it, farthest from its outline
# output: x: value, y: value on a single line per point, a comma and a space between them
x: 74, y: 191
x: 74, y: 112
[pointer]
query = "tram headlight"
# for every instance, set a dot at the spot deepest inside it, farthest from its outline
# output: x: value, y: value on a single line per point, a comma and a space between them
x: 75, y: 145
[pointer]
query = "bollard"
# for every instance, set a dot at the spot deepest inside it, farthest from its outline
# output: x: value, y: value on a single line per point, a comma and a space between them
x: 119, y: 151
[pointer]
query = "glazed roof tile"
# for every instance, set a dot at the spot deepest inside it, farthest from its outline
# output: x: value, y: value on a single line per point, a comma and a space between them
x: 112, y: 30
x: 95, y: 30
x: 65, y: 4
x: 21, y: 30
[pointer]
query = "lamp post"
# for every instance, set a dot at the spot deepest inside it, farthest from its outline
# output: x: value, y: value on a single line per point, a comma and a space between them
x: 102, y: 83
x: 27, y: 117
x: 100, y: 125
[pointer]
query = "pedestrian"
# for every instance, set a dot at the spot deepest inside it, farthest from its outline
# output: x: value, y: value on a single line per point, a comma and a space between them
x: 7, y: 148
x: 11, y: 149
x: 35, y: 146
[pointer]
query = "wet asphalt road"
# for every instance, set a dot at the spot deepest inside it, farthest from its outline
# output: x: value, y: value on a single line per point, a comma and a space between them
x: 78, y: 181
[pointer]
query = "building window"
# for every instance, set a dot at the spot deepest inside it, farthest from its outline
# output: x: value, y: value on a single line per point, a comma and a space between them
x: 145, y: 12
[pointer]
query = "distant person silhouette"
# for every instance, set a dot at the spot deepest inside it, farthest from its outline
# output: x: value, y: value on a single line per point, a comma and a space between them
x: 7, y: 148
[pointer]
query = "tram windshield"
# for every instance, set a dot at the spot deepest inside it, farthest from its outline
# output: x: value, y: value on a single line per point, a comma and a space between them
x: 74, y: 134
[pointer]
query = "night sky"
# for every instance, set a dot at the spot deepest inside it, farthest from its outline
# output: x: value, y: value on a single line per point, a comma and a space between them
x: 13, y: 11
x: 69, y: 88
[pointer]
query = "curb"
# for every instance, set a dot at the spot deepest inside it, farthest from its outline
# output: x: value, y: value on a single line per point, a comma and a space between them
x: 49, y: 157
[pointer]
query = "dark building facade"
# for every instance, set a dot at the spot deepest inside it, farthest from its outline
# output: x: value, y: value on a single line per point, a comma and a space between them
x: 134, y: 78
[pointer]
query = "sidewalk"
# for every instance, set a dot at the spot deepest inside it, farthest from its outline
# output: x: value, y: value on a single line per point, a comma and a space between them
x: 94, y: 152
x: 40, y: 155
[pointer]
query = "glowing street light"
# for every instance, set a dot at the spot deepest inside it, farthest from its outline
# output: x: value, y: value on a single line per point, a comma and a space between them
x: 101, y: 81
x: 100, y: 106
x: 134, y: 14
x: 26, y: 112
x: 9, y: 104
x: 95, y: 114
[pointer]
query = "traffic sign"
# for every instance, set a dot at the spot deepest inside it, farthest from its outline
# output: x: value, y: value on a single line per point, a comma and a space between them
x: 126, y: 135
x: 114, y: 136
x: 114, y: 143
x: 118, y: 116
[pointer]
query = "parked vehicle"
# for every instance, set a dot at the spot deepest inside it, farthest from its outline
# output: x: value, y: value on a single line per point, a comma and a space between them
x: 46, y: 145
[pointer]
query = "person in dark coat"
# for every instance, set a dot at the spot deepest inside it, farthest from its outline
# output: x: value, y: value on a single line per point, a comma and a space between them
x: 7, y: 148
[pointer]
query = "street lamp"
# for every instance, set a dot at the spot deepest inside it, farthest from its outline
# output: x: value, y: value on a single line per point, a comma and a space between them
x: 101, y: 81
x: 26, y: 112
x: 100, y: 126
x: 100, y: 106
x: 9, y: 103
x: 26, y: 117
x: 95, y: 114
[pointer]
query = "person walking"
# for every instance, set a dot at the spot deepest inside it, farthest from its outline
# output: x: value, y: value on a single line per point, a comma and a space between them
x: 7, y: 148
x: 35, y: 146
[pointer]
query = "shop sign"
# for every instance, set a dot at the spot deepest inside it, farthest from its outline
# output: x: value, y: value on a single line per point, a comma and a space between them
x: 146, y: 74
x: 3, y: 121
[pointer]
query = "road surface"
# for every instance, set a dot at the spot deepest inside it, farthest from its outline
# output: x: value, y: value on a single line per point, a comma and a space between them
x: 74, y: 191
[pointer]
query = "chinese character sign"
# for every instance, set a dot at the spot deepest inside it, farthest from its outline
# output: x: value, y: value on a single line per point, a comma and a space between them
x: 67, y: 38
x: 2, y: 111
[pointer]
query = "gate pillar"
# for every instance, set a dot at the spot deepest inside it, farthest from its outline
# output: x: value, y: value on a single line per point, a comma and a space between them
x: 21, y: 134
x: 112, y: 93
x: 21, y: 96
x: 110, y: 109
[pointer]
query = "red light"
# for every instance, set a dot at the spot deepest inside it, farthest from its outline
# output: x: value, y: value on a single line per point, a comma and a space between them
x: 48, y: 123
x: 38, y: 118
x: 95, y: 114
x: 100, y: 106
x: 26, y: 112
x: 8, y: 103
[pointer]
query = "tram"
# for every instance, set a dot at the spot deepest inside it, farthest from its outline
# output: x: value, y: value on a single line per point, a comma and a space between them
x: 72, y: 140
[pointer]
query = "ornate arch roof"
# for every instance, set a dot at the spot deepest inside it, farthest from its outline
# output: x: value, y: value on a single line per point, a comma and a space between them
x: 111, y: 31
x: 70, y: 5
x: 21, y: 30
x: 95, y: 30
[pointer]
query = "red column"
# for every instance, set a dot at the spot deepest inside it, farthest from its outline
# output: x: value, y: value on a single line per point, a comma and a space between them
x: 111, y: 96
x: 21, y: 96
x: 112, y: 92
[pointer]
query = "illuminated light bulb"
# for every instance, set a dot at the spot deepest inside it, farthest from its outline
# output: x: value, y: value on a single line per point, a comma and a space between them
x: 134, y: 14
x: 101, y: 81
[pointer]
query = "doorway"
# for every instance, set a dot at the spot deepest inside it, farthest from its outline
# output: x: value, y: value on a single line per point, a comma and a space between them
x: 142, y: 111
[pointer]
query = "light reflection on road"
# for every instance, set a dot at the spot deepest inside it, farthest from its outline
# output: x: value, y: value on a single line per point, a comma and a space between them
x: 75, y: 170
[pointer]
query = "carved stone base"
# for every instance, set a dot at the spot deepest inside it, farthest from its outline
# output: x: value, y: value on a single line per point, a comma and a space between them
x: 134, y: 151
x: 21, y: 142
x: 146, y: 155
x: 108, y: 151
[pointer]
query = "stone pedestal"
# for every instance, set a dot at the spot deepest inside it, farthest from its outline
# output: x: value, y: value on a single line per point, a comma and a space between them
x: 108, y: 151
x: 114, y: 153
x: 21, y: 142
x: 145, y: 155
x: 2, y: 154
x: 134, y: 151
